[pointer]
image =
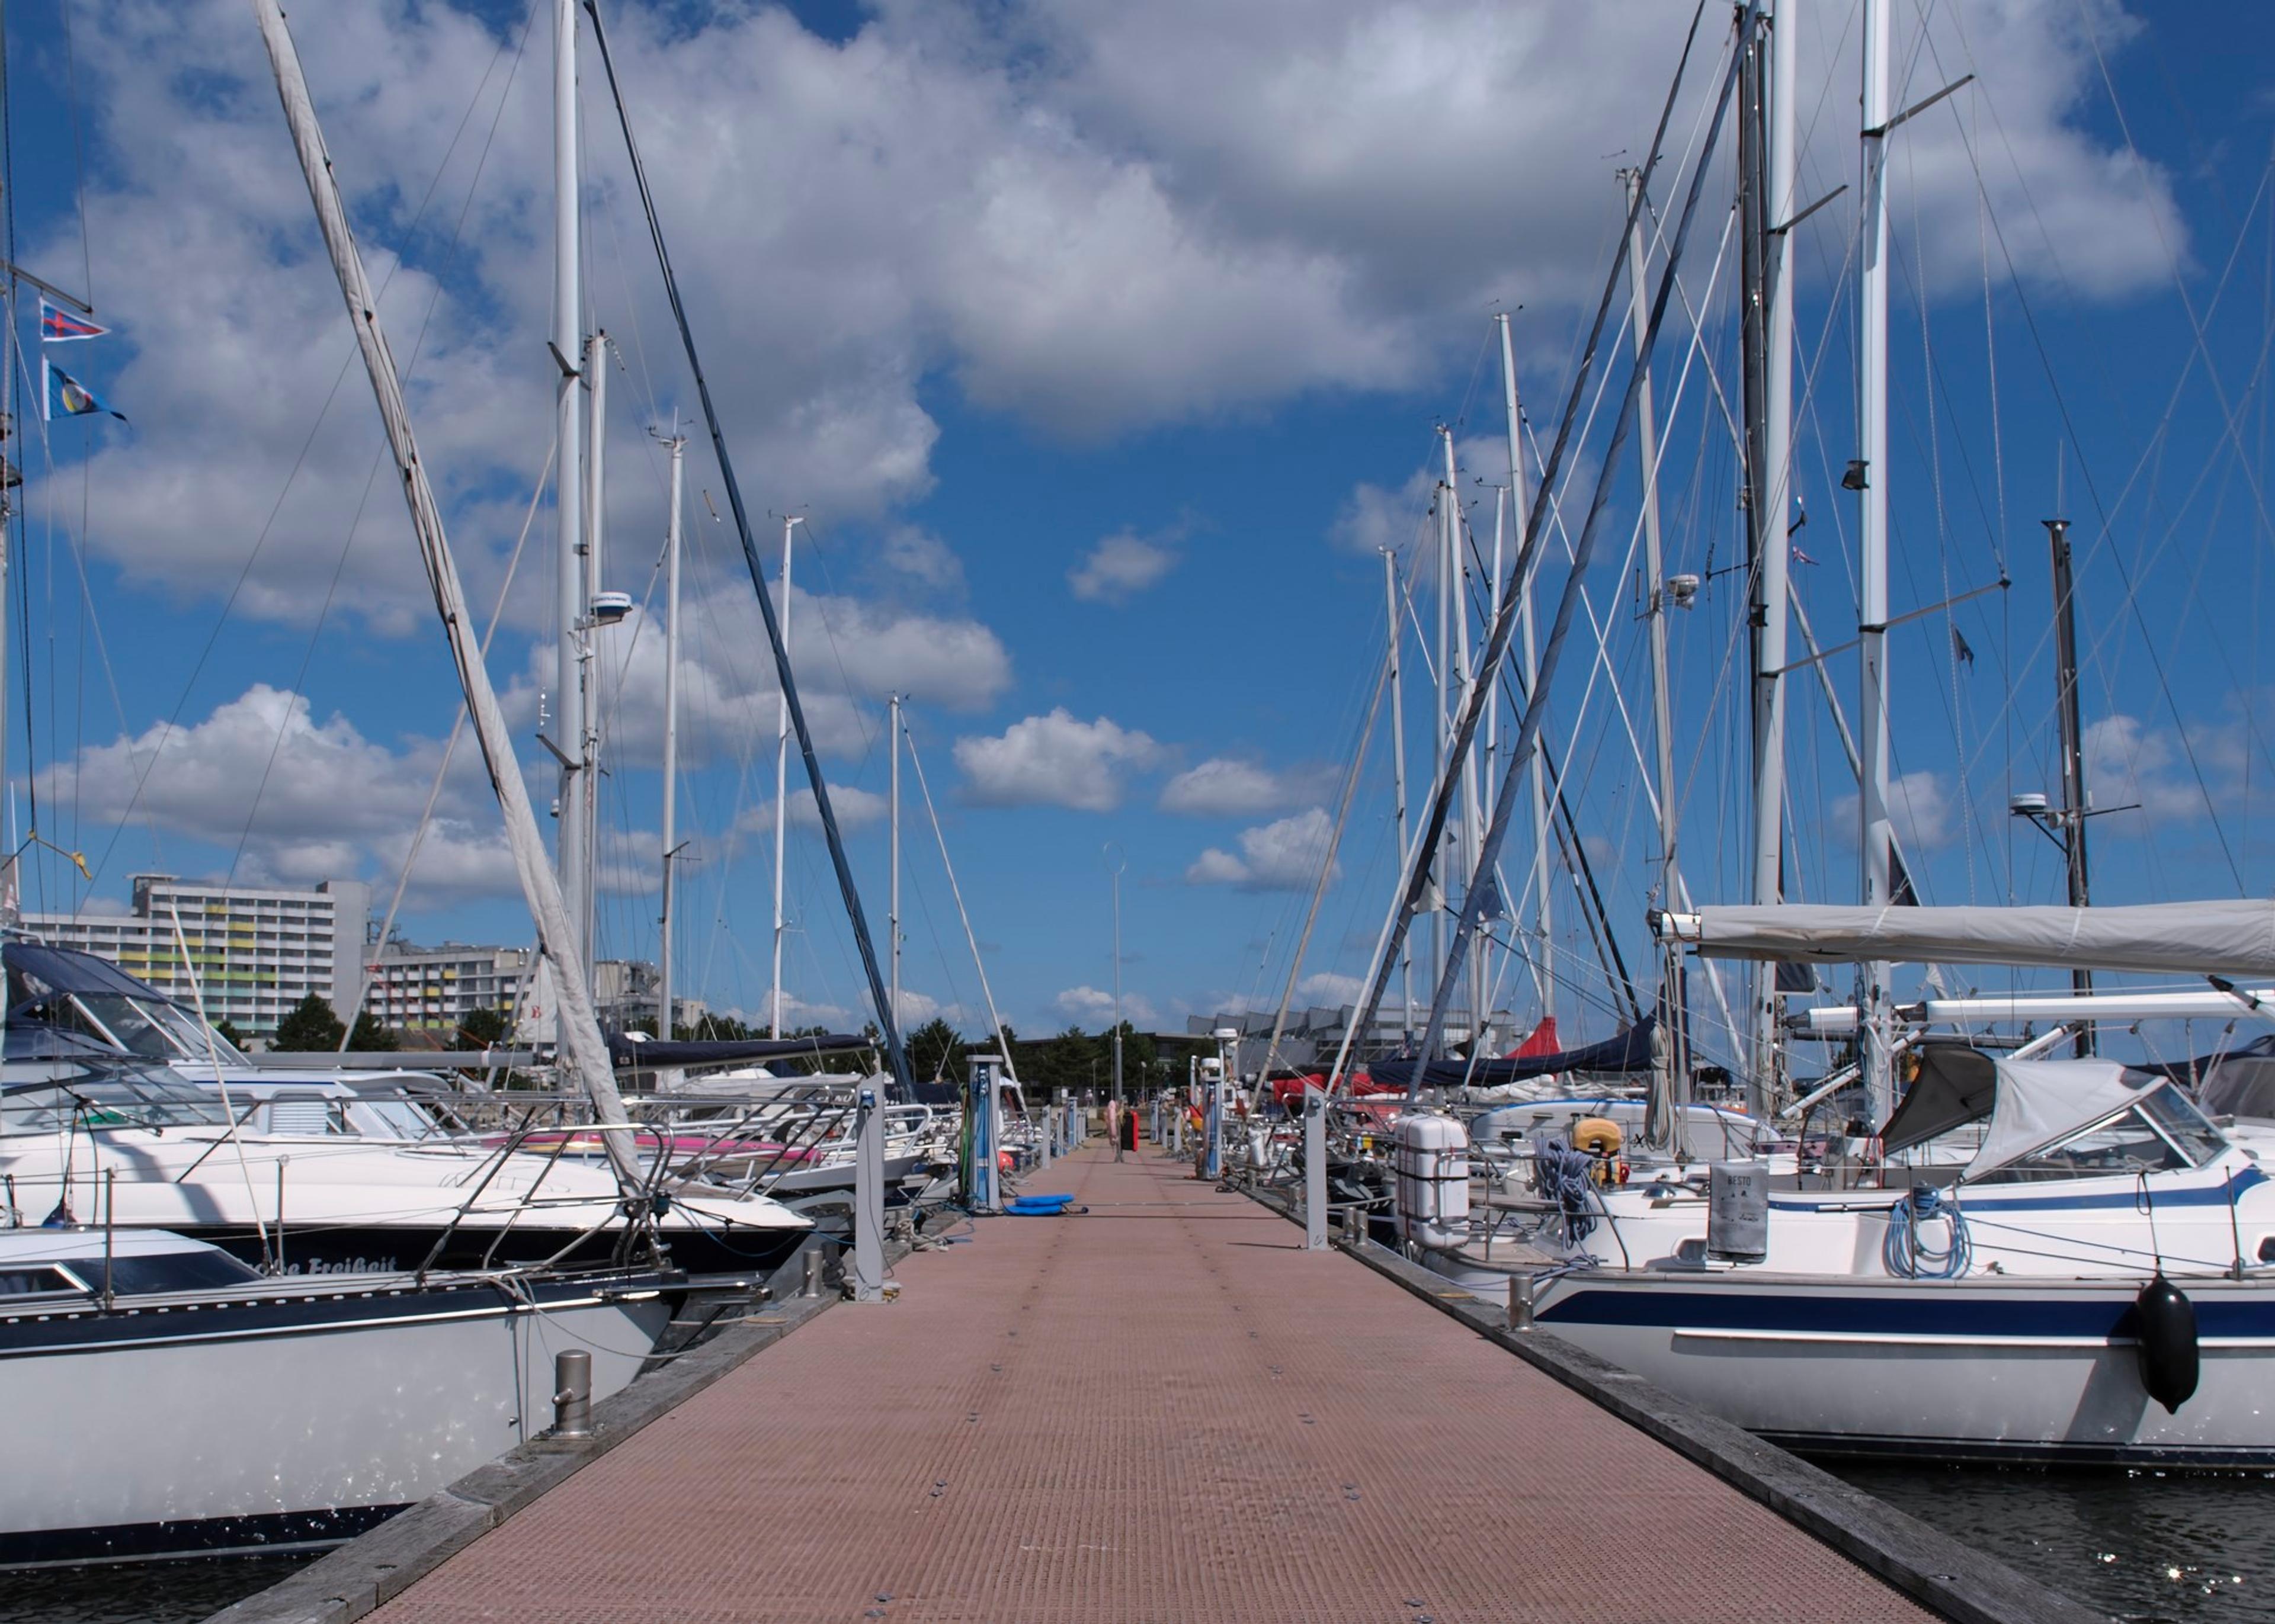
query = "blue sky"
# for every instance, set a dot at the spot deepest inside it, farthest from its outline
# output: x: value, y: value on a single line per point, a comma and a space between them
x: 1102, y: 345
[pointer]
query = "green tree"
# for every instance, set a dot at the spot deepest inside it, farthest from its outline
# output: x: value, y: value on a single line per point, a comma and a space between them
x: 309, y: 1027
x: 936, y: 1051
x: 483, y: 1029
x: 369, y: 1035
x: 226, y: 1030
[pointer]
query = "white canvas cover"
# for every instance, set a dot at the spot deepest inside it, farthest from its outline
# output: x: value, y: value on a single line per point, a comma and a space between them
x: 2191, y: 938
x: 2043, y: 1100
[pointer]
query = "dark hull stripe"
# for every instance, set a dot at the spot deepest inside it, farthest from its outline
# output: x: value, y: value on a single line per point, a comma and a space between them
x: 134, y: 1542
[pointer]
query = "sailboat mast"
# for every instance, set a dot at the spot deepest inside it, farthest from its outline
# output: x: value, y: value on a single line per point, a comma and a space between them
x: 1674, y: 1068
x: 1543, y: 918
x: 573, y: 834
x: 585, y: 1055
x: 663, y: 999
x: 1397, y: 625
x: 782, y: 799
x: 1773, y: 506
x: 893, y: 901
x: 589, y: 801
x: 1869, y: 478
x: 1444, y: 860
x: 2073, y: 748
x: 1472, y: 814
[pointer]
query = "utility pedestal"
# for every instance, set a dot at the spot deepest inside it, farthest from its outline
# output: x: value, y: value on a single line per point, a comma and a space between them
x: 1315, y: 1170
x: 1213, y: 1131
x: 868, y: 1272
x: 983, y: 1185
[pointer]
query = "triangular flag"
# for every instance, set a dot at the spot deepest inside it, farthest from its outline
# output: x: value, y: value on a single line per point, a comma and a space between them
x: 64, y: 395
x: 60, y: 326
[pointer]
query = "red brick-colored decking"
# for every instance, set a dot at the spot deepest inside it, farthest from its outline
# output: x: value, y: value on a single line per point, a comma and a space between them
x: 1156, y: 1412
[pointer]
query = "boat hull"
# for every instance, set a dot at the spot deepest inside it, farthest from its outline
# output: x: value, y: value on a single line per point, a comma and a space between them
x: 2044, y: 1372
x: 285, y: 1414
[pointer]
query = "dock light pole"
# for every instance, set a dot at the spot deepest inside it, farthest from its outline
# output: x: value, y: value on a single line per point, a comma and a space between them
x: 1315, y: 1169
x: 1116, y: 861
x: 869, y: 1200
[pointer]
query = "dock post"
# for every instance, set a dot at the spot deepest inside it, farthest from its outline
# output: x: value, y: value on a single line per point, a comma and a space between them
x: 987, y: 1193
x: 810, y: 1278
x: 1520, y: 1302
x: 869, y: 1201
x: 1046, y: 1143
x: 573, y: 1394
x: 1315, y: 1170
x: 1212, y: 1146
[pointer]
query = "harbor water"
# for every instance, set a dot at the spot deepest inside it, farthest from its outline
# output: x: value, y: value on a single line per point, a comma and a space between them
x: 2191, y: 1548
x: 138, y: 1592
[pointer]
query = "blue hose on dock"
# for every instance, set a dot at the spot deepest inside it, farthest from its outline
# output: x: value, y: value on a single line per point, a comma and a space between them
x: 1039, y: 1207
x: 1907, y: 1257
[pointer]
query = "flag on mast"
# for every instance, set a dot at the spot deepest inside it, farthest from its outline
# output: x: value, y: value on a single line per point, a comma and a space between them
x: 63, y: 395
x: 60, y: 326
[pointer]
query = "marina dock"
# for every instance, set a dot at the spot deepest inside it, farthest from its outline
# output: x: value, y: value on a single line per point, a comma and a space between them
x: 1159, y: 1408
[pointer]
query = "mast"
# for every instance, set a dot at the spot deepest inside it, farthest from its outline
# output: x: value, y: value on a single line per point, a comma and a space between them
x: 588, y: 799
x: 1545, y: 970
x: 2073, y: 747
x: 573, y: 834
x: 1869, y: 476
x: 1472, y: 814
x: 1771, y: 489
x: 1674, y: 1066
x: 583, y: 1054
x: 1442, y: 861
x: 1398, y: 751
x: 781, y: 807
x: 893, y: 900
x: 678, y: 443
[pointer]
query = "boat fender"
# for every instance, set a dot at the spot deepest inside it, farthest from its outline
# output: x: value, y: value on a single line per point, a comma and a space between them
x: 2167, y: 1342
x: 1598, y: 1135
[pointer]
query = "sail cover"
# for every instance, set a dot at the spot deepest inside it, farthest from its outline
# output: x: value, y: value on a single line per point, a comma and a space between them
x: 1629, y: 1051
x: 2190, y: 939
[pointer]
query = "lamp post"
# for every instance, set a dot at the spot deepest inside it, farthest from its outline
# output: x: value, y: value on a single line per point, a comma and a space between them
x: 1116, y: 860
x: 1213, y: 1145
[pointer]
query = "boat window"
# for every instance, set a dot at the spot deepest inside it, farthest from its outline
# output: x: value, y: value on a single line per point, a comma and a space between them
x: 170, y: 1272
x: 143, y: 1101
x: 32, y: 1281
x: 157, y: 1030
x: 2124, y: 1144
x: 302, y: 1116
x: 2186, y: 1126
x: 398, y: 1119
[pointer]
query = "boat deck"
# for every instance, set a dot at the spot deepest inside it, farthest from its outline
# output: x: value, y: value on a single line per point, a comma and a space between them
x: 1161, y: 1410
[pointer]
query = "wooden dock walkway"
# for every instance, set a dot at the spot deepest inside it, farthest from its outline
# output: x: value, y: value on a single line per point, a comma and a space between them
x: 1161, y: 1410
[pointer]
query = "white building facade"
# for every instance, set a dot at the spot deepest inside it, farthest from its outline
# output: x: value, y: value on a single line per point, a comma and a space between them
x: 243, y: 954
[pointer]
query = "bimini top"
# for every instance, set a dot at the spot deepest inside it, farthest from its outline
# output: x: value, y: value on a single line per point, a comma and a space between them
x: 2055, y: 1115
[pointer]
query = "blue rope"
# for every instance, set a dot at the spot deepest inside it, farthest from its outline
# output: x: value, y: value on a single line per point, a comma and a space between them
x: 1908, y: 1257
x: 1567, y: 1174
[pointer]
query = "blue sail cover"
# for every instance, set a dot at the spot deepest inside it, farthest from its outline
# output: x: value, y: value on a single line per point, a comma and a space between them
x: 1626, y: 1052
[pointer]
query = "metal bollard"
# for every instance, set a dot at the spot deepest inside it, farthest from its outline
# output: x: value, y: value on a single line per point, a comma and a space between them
x: 1353, y: 1225
x: 573, y: 1394
x: 810, y: 1285
x: 1520, y: 1302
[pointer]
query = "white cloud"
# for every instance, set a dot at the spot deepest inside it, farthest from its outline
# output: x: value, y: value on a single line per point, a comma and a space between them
x: 1226, y: 787
x: 1054, y: 760
x: 1327, y: 987
x: 308, y: 800
x: 1092, y: 1006
x: 1923, y: 808
x: 1276, y: 857
x: 1121, y: 567
x: 2129, y: 764
x: 1097, y: 216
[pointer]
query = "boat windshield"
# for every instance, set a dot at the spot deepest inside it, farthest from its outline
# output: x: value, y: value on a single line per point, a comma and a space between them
x: 157, y: 1030
x: 2160, y: 1133
x: 146, y: 1100
x: 401, y: 1119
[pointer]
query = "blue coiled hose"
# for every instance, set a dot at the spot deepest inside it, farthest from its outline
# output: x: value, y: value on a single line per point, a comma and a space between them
x: 1906, y: 1257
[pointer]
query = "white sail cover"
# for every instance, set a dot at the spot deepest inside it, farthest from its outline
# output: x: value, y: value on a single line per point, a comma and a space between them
x: 2186, y: 939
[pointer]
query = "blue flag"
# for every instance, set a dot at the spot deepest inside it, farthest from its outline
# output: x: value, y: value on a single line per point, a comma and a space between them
x: 63, y: 395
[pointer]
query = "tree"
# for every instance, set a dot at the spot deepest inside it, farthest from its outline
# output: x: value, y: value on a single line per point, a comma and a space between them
x: 370, y: 1035
x: 309, y: 1027
x: 226, y: 1031
x: 483, y: 1029
x: 937, y: 1050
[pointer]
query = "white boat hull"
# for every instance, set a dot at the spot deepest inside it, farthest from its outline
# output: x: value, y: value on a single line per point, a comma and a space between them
x: 2037, y: 1371
x: 282, y: 1414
